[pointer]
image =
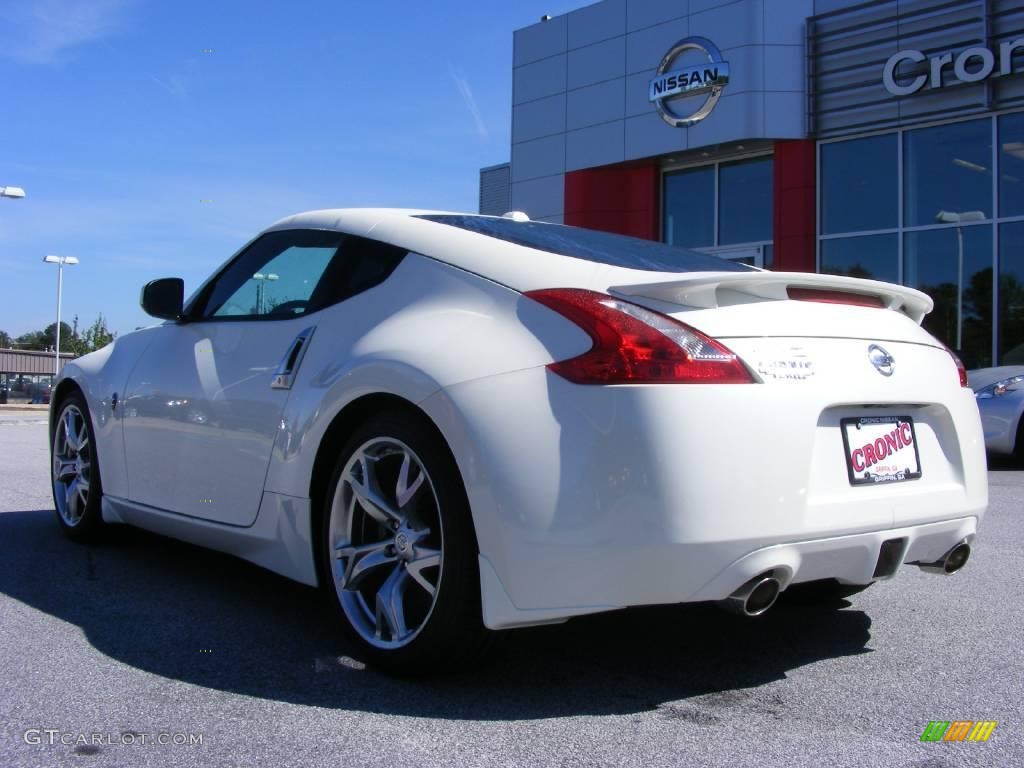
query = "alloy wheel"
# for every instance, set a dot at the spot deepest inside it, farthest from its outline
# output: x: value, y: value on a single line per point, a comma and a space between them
x: 387, y: 542
x: 72, y: 465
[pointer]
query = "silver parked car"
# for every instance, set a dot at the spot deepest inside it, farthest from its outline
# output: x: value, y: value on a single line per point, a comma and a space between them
x: 1000, y: 394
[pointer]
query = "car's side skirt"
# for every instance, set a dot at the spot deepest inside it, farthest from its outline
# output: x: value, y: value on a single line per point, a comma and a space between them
x: 279, y: 540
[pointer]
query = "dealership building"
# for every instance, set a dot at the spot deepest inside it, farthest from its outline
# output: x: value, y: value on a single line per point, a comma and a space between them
x: 880, y: 139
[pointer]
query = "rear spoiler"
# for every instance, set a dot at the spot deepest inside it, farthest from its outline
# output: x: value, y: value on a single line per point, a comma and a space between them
x: 707, y: 290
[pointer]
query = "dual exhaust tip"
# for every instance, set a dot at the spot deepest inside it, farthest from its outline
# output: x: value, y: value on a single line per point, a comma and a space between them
x: 760, y: 593
x: 949, y: 563
x: 755, y: 597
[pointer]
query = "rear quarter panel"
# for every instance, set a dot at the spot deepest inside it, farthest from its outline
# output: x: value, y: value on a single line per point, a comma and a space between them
x: 429, y: 326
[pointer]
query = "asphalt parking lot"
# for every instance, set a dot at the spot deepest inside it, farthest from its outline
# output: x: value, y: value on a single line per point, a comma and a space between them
x: 146, y: 636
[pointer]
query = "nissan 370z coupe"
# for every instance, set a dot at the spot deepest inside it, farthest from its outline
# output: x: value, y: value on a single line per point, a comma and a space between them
x: 456, y: 422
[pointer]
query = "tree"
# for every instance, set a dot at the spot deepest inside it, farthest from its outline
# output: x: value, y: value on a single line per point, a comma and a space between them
x: 45, y: 339
x: 97, y: 335
x: 5, y: 340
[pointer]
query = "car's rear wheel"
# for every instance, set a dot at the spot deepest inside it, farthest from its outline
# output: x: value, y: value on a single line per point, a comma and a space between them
x: 399, y: 551
x: 75, y: 472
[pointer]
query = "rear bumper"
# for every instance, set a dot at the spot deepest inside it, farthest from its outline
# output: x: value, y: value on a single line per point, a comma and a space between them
x: 851, y: 559
x: 588, y: 499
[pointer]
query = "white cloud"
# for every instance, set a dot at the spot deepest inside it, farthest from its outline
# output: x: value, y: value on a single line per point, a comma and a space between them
x: 467, y: 96
x: 45, y: 31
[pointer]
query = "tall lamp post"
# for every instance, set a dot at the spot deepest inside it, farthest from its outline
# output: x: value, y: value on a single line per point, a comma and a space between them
x: 261, y: 279
x: 14, y: 192
x: 60, y: 261
x: 952, y: 217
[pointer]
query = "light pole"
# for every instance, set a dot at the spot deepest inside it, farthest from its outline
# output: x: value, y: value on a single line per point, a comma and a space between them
x: 60, y: 261
x: 261, y: 279
x: 15, y: 192
x: 951, y: 217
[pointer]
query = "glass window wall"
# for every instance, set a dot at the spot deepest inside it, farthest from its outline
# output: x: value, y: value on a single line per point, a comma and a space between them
x: 1011, y: 293
x: 1011, y: 164
x: 875, y: 257
x: 947, y: 168
x: 945, y: 220
x: 859, y: 181
x: 745, y: 201
x: 689, y: 219
x: 953, y: 265
x: 720, y: 206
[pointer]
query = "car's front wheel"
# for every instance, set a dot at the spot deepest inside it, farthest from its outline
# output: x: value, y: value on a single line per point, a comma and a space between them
x: 75, y: 472
x: 399, y: 551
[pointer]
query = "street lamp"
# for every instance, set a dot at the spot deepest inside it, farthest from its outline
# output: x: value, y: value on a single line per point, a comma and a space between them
x: 951, y: 217
x: 15, y: 192
x: 261, y: 279
x: 60, y: 261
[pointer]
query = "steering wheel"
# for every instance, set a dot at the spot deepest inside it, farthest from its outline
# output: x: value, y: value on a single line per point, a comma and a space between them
x: 290, y: 307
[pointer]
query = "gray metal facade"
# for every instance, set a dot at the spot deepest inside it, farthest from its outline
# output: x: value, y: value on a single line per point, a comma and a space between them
x: 799, y: 68
x: 495, y: 190
x: 849, y: 45
x: 29, y: 362
x: 580, y: 86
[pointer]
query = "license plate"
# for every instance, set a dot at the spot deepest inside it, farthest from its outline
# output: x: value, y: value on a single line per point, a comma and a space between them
x: 880, y: 449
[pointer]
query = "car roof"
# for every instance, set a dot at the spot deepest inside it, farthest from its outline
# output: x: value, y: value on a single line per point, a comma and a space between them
x: 514, y: 265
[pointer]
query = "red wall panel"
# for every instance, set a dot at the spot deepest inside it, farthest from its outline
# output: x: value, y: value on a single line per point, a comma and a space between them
x: 615, y: 198
x: 626, y: 198
x: 794, y: 205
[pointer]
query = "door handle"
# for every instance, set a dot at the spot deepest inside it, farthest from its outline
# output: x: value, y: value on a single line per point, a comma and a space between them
x: 284, y: 376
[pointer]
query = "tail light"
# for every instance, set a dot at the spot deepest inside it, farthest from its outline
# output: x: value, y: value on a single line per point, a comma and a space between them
x: 634, y: 345
x: 834, y: 297
x: 959, y: 367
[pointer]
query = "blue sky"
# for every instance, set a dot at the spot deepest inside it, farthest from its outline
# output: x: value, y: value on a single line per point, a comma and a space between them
x: 118, y: 123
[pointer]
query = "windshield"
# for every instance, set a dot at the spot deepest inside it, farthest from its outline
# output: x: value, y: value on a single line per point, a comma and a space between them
x: 602, y: 247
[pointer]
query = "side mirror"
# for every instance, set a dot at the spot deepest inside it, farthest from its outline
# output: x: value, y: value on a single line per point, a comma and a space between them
x: 163, y: 298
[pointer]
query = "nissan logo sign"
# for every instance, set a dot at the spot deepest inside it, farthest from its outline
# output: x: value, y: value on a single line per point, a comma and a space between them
x: 669, y: 90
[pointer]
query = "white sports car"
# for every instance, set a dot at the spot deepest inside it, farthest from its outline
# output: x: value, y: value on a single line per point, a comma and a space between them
x: 1000, y: 394
x: 454, y: 422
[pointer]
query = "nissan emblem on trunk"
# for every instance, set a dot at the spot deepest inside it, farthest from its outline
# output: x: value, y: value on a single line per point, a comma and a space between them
x: 884, y: 362
x: 670, y: 88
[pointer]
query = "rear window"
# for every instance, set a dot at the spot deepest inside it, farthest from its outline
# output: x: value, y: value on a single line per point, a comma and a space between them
x: 602, y: 247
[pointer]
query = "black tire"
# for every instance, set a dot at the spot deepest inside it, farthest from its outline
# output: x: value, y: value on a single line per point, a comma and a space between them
x: 450, y: 631
x: 1018, y: 444
x: 823, y: 592
x: 78, y: 513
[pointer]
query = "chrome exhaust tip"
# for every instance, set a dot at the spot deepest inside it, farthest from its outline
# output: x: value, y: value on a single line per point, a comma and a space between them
x: 949, y: 563
x: 753, y: 598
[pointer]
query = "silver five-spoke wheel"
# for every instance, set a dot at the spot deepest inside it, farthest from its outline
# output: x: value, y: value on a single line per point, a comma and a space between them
x: 387, y: 542
x: 72, y: 465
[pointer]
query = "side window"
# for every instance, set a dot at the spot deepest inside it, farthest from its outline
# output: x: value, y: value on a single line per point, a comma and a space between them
x: 293, y: 272
x: 275, y: 277
x: 361, y: 265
